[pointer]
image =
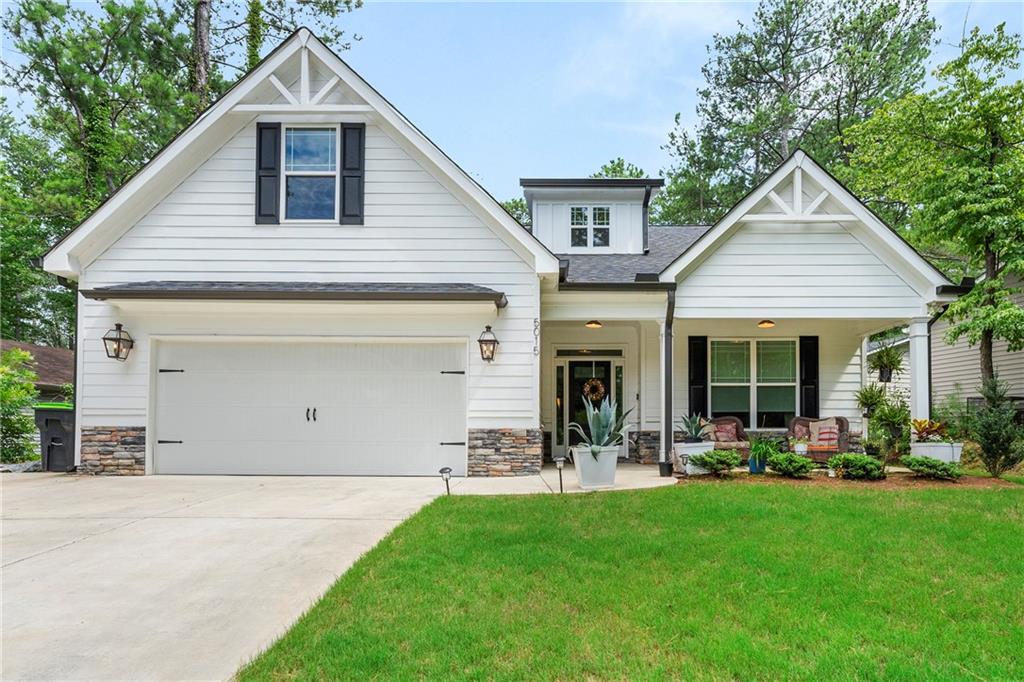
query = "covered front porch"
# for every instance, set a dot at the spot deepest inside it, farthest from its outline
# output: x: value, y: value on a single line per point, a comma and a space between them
x: 764, y: 371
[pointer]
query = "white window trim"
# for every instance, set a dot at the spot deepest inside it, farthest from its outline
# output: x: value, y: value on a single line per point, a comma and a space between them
x: 589, y: 227
x: 336, y: 173
x: 751, y: 341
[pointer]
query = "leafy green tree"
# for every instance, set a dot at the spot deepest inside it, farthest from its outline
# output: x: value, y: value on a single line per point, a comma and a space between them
x: 17, y: 395
x: 994, y: 428
x: 619, y: 168
x: 518, y: 209
x: 955, y: 156
x: 797, y: 76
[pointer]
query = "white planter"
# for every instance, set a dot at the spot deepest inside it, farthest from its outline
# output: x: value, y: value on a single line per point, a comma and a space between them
x: 800, y: 448
x: 684, y: 451
x: 945, y: 452
x: 595, y: 474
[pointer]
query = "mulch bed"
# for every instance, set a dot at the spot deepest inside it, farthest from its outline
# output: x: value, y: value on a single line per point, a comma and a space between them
x: 895, y: 480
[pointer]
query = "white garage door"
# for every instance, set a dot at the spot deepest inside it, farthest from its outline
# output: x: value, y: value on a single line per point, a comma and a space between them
x: 395, y: 409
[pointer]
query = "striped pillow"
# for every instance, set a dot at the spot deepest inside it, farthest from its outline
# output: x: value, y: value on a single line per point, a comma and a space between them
x: 825, y: 432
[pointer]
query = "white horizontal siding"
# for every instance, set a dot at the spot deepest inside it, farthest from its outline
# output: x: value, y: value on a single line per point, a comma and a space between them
x: 957, y: 368
x: 795, y: 271
x: 415, y: 230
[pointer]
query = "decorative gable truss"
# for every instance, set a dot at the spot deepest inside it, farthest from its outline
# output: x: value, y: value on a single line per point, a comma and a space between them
x: 801, y: 203
x: 301, y: 81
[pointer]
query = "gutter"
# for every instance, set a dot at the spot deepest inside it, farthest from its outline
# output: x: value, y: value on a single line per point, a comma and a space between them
x: 666, y: 450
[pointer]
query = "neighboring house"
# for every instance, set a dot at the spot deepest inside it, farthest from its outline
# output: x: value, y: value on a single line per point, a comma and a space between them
x: 956, y: 368
x: 306, y: 276
x: 54, y: 367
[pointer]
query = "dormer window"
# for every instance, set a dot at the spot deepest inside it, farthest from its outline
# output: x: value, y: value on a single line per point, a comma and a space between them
x: 590, y: 226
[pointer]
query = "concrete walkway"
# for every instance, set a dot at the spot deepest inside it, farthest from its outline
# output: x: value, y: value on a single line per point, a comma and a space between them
x: 188, y: 577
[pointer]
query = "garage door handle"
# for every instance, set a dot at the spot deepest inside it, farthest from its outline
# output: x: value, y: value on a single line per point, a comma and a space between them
x: 307, y: 414
x: 453, y: 442
x: 314, y: 414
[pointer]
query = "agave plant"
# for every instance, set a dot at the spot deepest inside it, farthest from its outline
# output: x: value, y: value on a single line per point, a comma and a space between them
x: 605, y: 429
x: 692, y: 428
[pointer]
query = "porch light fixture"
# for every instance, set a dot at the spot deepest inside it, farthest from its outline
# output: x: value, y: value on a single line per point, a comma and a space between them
x: 488, y: 344
x: 593, y: 324
x: 118, y: 343
x: 559, y: 463
x: 446, y: 475
x: 766, y: 324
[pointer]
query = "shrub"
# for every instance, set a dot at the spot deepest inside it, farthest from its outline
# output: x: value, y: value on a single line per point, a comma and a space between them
x: 893, y: 419
x: 718, y: 462
x: 929, y: 467
x: 994, y: 429
x: 955, y: 413
x: 789, y: 465
x: 17, y: 395
x: 857, y: 467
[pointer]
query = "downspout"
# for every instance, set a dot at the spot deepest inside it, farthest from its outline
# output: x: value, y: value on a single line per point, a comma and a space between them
x: 665, y: 461
x: 646, y: 219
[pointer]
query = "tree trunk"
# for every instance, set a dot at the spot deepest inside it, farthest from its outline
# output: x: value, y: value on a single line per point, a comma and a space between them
x: 985, y: 346
x: 201, y: 54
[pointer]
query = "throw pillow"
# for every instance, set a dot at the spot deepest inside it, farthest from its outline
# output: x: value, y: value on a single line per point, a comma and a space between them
x: 825, y: 432
x: 725, y: 433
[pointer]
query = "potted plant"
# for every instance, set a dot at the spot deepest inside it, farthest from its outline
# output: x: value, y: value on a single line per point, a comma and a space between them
x: 886, y: 360
x: 870, y: 398
x: 761, y: 448
x: 693, y: 428
x: 596, y: 458
x: 931, y: 440
x: 800, y: 445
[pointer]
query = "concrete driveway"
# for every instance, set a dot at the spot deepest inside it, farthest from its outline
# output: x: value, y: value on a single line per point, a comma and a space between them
x: 176, y: 577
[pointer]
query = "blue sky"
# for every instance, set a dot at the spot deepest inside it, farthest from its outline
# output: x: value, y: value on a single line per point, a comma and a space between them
x: 514, y: 90
x: 518, y: 89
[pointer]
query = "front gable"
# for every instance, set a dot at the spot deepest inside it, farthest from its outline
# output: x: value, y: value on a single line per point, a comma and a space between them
x: 801, y: 246
x: 301, y: 81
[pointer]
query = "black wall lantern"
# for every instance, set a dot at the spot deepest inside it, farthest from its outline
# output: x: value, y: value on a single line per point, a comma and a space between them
x: 118, y: 343
x: 488, y: 344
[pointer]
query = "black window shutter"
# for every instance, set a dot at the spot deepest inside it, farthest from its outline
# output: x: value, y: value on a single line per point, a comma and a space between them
x: 697, y: 347
x: 353, y: 172
x: 809, y: 377
x: 268, y: 173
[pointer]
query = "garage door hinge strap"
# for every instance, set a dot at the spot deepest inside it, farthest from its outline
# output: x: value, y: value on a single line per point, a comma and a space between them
x: 169, y: 441
x: 460, y: 442
x: 453, y: 371
x: 163, y: 371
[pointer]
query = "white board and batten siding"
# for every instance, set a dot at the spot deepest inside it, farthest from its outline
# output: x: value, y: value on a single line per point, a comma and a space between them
x: 415, y: 230
x: 790, y: 270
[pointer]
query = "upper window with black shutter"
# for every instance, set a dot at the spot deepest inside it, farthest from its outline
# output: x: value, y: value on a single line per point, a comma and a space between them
x: 310, y: 165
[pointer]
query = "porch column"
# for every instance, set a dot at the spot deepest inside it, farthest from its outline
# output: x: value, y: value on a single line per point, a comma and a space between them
x: 919, y: 368
x: 666, y: 379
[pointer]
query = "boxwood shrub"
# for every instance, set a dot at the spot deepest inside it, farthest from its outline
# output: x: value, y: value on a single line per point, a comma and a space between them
x: 857, y: 467
x: 789, y: 465
x: 929, y: 467
x: 718, y: 462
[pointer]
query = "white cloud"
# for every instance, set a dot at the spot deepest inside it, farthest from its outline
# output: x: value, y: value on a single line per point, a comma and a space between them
x: 616, y: 60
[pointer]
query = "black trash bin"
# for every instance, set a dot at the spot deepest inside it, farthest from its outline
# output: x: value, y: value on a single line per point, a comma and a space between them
x: 56, y: 436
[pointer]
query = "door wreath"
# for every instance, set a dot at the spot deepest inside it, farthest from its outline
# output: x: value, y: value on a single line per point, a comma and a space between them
x: 593, y: 390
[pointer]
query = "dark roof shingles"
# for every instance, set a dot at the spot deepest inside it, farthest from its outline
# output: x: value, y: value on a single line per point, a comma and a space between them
x: 666, y: 243
x: 53, y: 366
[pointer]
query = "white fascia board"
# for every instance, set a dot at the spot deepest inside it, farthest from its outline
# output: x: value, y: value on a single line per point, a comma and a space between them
x: 544, y: 261
x: 61, y: 259
x: 708, y: 242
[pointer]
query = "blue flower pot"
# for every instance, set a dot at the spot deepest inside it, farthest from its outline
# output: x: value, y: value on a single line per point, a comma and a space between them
x: 756, y: 466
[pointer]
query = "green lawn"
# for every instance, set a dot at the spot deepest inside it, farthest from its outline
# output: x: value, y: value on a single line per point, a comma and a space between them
x: 712, y: 580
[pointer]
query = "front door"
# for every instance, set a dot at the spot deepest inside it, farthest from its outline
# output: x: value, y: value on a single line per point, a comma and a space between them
x: 598, y: 379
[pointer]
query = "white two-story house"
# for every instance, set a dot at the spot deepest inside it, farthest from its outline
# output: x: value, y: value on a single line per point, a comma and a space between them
x: 311, y: 286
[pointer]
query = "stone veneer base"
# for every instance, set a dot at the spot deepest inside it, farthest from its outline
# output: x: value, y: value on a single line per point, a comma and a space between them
x: 505, y: 452
x: 113, y: 451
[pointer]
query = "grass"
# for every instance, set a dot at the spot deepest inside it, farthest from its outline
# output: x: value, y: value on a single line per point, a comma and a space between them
x: 1012, y: 477
x: 707, y: 581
